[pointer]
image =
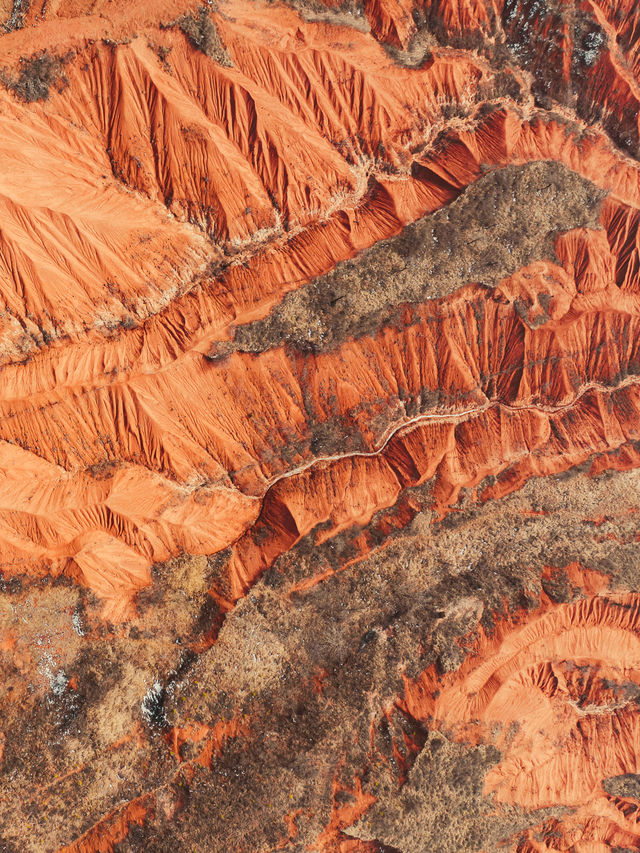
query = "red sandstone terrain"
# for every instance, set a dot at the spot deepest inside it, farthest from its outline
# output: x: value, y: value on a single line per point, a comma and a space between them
x: 320, y: 426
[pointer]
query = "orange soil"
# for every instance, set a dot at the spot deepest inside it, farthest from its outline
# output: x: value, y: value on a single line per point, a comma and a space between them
x: 551, y: 689
x: 112, y: 829
x: 343, y: 815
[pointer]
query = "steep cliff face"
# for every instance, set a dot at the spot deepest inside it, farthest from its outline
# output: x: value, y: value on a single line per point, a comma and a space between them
x: 319, y: 426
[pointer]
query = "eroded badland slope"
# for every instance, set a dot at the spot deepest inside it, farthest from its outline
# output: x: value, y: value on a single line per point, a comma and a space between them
x: 320, y: 426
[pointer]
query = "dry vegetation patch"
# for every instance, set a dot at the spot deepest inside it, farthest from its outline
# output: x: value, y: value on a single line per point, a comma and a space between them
x: 36, y: 75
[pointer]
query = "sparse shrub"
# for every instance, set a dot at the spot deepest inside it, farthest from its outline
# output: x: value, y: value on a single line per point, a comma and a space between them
x: 202, y: 33
x: 16, y: 19
x: 162, y: 52
x: 114, y: 43
x: 37, y: 74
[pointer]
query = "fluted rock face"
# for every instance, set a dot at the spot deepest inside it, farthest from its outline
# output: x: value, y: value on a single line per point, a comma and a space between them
x: 320, y: 426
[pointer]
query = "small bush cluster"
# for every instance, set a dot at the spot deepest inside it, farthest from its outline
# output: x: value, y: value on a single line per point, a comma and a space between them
x: 36, y: 76
x: 16, y: 18
x: 162, y: 52
x: 202, y: 33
